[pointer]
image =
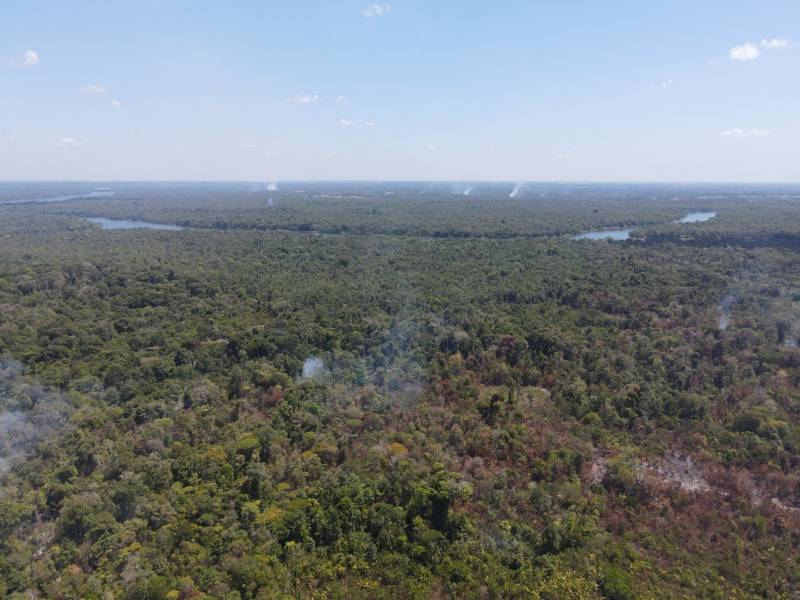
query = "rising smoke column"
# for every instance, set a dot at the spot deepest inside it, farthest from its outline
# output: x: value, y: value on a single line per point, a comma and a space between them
x: 30, y: 414
x: 461, y: 189
x: 515, y: 192
x: 725, y: 306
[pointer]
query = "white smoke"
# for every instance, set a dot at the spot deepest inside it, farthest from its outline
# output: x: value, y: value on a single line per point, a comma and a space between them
x: 29, y: 414
x: 272, y: 187
x: 515, y: 192
x: 313, y: 367
x: 270, y: 202
x: 461, y: 189
x: 724, y: 309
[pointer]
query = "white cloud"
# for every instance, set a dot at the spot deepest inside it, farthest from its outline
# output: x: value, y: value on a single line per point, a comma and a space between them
x: 431, y: 146
x: 774, y: 43
x: 116, y: 103
x: 742, y: 133
x: 668, y: 83
x: 351, y: 123
x: 29, y: 58
x: 376, y: 10
x: 94, y: 88
x: 746, y: 51
x: 303, y: 99
x: 750, y: 51
x: 68, y: 141
x: 340, y: 100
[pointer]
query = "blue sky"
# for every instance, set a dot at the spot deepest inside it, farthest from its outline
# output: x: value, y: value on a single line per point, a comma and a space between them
x: 408, y: 89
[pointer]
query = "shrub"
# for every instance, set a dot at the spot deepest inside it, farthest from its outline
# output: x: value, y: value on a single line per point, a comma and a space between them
x: 617, y: 584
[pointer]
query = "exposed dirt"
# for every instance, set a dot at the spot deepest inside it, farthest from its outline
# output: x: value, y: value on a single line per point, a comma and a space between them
x: 674, y: 469
x: 691, y: 476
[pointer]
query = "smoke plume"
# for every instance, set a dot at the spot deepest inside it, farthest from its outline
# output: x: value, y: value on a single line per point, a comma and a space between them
x: 725, y: 308
x: 29, y: 414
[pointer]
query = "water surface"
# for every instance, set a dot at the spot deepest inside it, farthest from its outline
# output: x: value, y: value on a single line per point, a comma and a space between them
x: 126, y: 224
x: 621, y: 234
x: 105, y: 193
x: 605, y: 234
x: 697, y: 217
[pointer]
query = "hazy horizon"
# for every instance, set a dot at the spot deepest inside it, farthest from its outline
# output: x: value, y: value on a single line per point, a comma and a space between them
x: 511, y: 182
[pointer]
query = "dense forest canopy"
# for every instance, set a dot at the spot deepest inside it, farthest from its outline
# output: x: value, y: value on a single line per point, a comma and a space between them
x: 399, y: 391
x: 420, y: 209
